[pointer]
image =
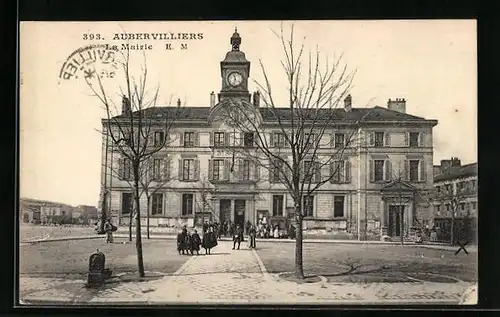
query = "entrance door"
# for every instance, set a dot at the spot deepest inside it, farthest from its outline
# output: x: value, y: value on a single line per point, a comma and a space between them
x: 239, y: 212
x: 225, y: 210
x: 394, y: 229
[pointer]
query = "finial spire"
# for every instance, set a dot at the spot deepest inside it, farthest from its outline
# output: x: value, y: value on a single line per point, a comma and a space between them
x: 235, y: 40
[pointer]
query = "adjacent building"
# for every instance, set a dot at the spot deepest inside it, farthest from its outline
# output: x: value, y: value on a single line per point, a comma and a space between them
x: 455, y: 191
x: 43, y: 211
x: 391, y: 144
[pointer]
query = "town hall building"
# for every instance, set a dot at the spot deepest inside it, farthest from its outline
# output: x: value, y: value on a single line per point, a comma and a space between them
x: 385, y: 177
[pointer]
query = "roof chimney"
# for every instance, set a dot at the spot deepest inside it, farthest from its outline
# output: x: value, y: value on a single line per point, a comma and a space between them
x: 179, y: 102
x: 348, y: 103
x: 445, y: 164
x: 125, y: 105
x: 256, y: 99
x: 455, y: 162
x: 397, y: 105
x: 212, y: 99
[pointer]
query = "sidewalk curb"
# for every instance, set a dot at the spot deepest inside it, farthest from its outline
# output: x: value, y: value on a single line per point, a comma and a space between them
x: 61, y: 239
x: 172, y: 237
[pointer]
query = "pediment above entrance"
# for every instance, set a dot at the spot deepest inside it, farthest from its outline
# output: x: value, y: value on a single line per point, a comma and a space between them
x: 233, y: 113
x: 398, y: 186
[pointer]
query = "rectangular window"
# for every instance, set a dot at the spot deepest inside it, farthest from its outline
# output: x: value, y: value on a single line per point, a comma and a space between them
x: 309, y: 138
x: 126, y: 203
x: 157, y: 204
x: 379, y: 170
x: 462, y: 206
x: 474, y: 206
x: 275, y: 175
x: 311, y: 171
x: 447, y: 207
x: 379, y: 139
x: 157, y: 169
x: 308, y: 206
x: 219, y: 139
x: 438, y: 189
x: 188, y: 169
x: 188, y: 139
x: 473, y: 184
x: 248, y: 139
x: 187, y: 204
x: 159, y: 138
x: 448, y: 189
x: 245, y: 172
x: 127, y: 169
x: 338, y: 171
x: 438, y: 208
x: 414, y: 137
x: 339, y: 140
x: 218, y: 166
x: 278, y: 205
x: 338, y: 207
x: 279, y: 140
x: 414, y: 170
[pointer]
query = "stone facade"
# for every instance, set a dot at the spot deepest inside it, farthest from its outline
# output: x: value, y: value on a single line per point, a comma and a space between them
x: 386, y: 143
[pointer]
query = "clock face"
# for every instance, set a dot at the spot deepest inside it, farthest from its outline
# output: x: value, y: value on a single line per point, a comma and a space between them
x: 234, y: 79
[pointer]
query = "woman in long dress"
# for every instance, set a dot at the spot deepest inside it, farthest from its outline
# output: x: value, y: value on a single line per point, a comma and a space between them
x: 209, y: 240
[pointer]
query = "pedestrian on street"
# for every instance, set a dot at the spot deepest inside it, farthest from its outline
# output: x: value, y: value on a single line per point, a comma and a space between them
x: 195, y: 242
x: 276, y: 233
x: 291, y: 231
x: 108, y: 228
x: 238, y: 237
x: 247, y: 226
x: 209, y: 240
x: 253, y: 233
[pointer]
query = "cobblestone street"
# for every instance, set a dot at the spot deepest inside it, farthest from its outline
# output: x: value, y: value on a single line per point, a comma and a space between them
x: 236, y: 277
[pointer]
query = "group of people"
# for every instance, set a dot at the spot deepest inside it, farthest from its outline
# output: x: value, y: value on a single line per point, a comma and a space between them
x: 188, y: 243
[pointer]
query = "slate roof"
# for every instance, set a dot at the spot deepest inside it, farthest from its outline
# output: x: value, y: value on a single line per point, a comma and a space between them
x: 457, y: 172
x: 367, y: 114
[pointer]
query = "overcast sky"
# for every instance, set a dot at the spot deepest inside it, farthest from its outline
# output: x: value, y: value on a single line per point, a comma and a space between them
x: 432, y: 64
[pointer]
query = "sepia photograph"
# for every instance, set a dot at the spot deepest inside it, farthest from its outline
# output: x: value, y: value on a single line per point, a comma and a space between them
x: 320, y: 162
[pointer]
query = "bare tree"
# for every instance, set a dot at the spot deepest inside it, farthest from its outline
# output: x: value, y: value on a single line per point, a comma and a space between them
x: 207, y: 191
x: 132, y: 130
x: 294, y: 143
x: 155, y: 174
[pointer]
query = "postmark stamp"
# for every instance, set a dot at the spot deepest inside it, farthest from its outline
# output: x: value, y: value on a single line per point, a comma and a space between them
x: 88, y: 62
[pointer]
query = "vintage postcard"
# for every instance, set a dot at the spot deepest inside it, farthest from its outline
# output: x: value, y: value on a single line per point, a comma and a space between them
x: 248, y: 162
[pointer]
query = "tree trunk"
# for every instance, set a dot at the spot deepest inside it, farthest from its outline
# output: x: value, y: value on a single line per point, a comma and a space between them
x: 147, y: 216
x: 138, y: 240
x: 299, y: 267
x: 452, y: 229
x: 130, y: 218
x: 401, y: 225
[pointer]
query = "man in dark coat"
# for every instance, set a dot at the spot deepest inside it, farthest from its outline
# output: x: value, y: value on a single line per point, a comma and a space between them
x: 205, y: 227
x: 238, y: 236
x: 182, y: 237
x: 253, y: 233
x: 291, y: 231
x: 195, y: 242
x: 247, y: 227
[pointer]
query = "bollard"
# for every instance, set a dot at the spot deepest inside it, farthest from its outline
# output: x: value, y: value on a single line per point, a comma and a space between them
x: 96, y: 274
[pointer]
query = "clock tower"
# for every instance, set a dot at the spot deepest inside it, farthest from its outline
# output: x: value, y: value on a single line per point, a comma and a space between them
x: 235, y: 70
